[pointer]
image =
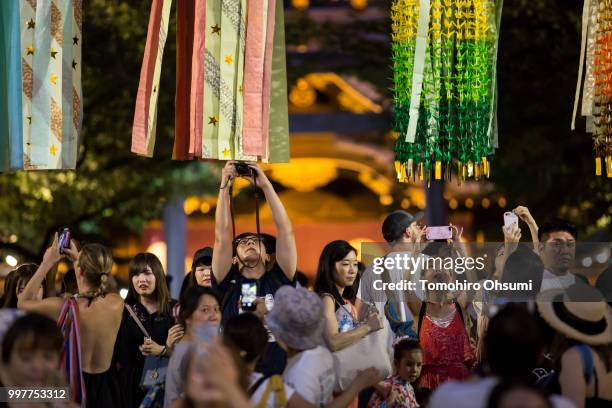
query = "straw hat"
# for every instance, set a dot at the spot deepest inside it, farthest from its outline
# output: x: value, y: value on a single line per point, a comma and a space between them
x: 579, y: 312
x: 297, y: 318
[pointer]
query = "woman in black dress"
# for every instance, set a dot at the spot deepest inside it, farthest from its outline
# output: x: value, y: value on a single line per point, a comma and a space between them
x: 149, y: 299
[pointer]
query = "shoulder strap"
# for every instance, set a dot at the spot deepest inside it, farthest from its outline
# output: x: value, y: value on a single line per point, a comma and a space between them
x: 256, y: 385
x: 421, y: 316
x: 137, y: 320
x: 587, y: 362
x: 460, y: 311
x: 276, y: 385
x: 342, y: 306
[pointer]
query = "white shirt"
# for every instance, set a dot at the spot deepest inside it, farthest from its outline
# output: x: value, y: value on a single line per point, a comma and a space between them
x: 475, y: 394
x: 311, y: 374
x: 259, y: 392
x: 552, y: 281
x: 368, y: 294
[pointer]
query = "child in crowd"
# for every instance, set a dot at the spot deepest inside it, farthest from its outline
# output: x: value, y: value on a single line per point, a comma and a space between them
x: 397, y: 391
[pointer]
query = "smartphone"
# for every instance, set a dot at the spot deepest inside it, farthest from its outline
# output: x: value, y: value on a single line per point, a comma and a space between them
x: 434, y: 233
x: 249, y: 296
x: 510, y: 219
x: 64, y: 239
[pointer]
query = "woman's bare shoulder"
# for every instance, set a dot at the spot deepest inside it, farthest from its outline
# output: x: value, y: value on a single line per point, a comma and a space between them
x: 113, y: 301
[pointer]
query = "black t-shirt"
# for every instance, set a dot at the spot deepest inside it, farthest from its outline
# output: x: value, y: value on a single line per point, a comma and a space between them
x: 230, y: 288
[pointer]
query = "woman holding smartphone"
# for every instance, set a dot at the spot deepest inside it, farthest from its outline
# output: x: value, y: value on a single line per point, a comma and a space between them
x: 99, y: 316
x: 149, y: 301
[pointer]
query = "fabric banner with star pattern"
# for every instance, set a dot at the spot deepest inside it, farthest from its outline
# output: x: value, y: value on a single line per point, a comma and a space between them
x: 41, y: 45
x: 225, y: 67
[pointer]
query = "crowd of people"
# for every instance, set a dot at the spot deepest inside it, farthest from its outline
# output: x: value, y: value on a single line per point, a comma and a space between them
x: 245, y: 333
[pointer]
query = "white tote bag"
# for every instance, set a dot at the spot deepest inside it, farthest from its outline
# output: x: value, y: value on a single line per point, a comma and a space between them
x: 370, y: 351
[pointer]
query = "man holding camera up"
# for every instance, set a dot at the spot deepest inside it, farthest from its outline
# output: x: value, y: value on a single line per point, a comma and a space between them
x: 239, y: 264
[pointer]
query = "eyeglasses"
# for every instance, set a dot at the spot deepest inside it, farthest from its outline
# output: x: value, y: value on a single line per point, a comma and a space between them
x: 245, y: 241
x: 560, y: 245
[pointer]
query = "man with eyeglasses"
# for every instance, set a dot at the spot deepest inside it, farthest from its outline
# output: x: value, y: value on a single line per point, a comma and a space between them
x: 557, y: 250
x: 243, y: 265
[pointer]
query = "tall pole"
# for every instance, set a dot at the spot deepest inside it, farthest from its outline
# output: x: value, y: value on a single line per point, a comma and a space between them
x: 435, y: 211
x: 175, y: 235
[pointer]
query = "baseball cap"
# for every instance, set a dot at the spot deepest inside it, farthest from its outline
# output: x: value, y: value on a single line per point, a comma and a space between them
x: 202, y: 256
x: 396, y: 223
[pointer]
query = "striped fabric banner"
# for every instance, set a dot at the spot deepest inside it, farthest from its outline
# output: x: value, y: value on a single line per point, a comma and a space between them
x: 11, y: 137
x: 212, y: 75
x: 145, y: 116
x: 267, y: 77
x: 197, y: 83
x: 229, y: 65
x: 212, y: 80
x: 184, y: 142
x: 255, y: 50
x: 278, y: 143
x: 45, y: 101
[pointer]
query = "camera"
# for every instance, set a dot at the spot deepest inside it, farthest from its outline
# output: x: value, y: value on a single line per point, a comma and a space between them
x: 243, y: 169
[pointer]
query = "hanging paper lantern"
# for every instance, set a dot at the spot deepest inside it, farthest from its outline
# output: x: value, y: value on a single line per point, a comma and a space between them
x: 231, y: 89
x: 597, y: 93
x: 444, y: 64
x: 40, y: 84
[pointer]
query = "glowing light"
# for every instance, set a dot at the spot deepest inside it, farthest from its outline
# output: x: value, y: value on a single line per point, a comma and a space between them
x: 11, y: 261
x: 485, y: 203
x: 359, y: 4
x: 586, y: 262
x: 160, y: 250
x: 13, y: 238
x: 603, y: 256
x: 502, y: 202
x: 453, y: 204
x: 302, y: 95
x: 300, y: 4
x: 123, y: 292
x: 191, y: 204
x: 480, y: 237
x: 386, y: 200
x: 405, y: 203
x: 469, y: 203
x: 205, y: 207
x: 305, y: 175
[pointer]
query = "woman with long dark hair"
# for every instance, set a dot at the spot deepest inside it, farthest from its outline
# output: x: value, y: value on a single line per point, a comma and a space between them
x: 19, y: 278
x: 337, y: 282
x: 200, y: 308
x: 149, y: 301
x: 201, y: 271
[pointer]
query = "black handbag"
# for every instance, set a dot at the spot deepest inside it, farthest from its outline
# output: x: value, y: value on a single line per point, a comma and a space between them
x: 155, y: 367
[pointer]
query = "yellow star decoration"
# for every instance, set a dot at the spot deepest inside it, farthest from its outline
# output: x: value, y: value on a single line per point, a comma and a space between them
x: 226, y: 152
x: 229, y: 59
x: 215, y: 29
x: 53, y: 79
x: 30, y: 50
x: 53, y: 53
x: 213, y: 121
x: 53, y: 150
x: 31, y: 24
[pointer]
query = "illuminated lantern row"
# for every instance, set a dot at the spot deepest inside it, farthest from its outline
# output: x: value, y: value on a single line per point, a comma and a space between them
x: 444, y: 63
x: 231, y: 90
x: 596, y: 65
x: 40, y: 84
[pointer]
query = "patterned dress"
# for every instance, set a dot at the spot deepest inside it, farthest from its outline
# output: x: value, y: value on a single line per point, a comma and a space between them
x: 403, y: 388
x: 447, y: 351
